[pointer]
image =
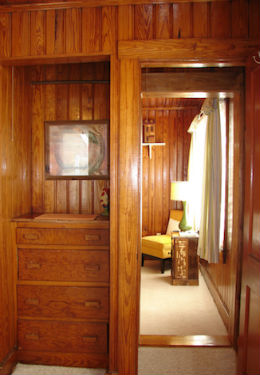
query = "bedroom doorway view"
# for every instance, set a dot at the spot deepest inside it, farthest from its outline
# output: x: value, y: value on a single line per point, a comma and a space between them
x: 187, y: 299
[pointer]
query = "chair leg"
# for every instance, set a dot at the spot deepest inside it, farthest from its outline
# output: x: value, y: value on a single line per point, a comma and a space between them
x: 142, y: 260
x: 163, y: 265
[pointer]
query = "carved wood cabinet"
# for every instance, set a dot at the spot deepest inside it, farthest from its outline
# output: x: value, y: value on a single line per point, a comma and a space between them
x: 62, y: 292
x: 184, y: 261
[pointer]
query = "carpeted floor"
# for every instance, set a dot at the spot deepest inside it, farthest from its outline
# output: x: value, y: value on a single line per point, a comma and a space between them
x: 187, y: 361
x: 158, y: 361
x: 22, y: 369
x: 167, y: 309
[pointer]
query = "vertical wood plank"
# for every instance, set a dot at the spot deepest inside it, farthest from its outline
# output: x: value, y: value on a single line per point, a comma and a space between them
x: 59, y: 32
x: 87, y: 102
x: 20, y: 34
x: 240, y: 19
x: 73, y: 30
x: 91, y: 29
x: 220, y: 19
x: 182, y: 20
x: 129, y: 216
x: 108, y: 29
x: 86, y: 197
x: 125, y: 22
x: 200, y: 20
x: 50, y: 32
x: 74, y: 204
x: 114, y: 251
x: 101, y: 101
x: 37, y: 33
x: 38, y: 103
x: 62, y: 197
x: 50, y: 115
x: 163, y: 25
x: 254, y: 19
x: 98, y: 187
x: 74, y: 102
x: 143, y: 22
x: 5, y: 34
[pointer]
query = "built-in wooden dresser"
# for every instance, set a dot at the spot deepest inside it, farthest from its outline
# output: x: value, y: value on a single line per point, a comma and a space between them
x: 62, y: 290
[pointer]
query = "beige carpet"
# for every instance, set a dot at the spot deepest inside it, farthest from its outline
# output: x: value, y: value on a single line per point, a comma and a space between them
x: 176, y: 310
x: 22, y: 369
x: 187, y: 361
x: 158, y: 361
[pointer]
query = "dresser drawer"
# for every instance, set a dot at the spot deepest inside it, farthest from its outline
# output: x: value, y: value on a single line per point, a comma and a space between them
x: 62, y: 236
x: 63, y: 265
x: 66, y: 337
x: 62, y: 302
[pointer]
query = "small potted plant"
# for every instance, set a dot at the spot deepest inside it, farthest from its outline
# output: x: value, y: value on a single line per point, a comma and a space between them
x: 104, y: 200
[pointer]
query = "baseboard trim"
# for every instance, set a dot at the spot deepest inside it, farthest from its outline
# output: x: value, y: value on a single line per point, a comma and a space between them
x: 6, y: 367
x: 215, y: 295
x: 184, y: 341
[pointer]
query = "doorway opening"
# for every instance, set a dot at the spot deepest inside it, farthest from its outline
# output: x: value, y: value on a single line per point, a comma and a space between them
x: 171, y: 98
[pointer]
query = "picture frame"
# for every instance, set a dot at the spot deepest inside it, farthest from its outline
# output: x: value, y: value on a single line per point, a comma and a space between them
x: 76, y: 149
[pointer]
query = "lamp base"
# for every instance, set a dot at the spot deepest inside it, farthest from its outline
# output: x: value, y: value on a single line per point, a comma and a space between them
x: 183, y: 223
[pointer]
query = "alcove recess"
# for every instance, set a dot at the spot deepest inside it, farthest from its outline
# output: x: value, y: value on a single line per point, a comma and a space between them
x: 62, y: 252
x: 54, y: 93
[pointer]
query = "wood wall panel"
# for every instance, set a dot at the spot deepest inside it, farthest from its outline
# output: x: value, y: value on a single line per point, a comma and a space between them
x: 73, y: 26
x: 74, y: 31
x: 15, y: 190
x: 168, y: 163
x: 37, y: 33
x: 75, y: 101
x: 5, y: 34
x: 182, y: 12
x: 20, y: 34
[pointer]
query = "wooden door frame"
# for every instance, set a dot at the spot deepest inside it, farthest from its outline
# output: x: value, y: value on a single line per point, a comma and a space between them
x: 175, y: 63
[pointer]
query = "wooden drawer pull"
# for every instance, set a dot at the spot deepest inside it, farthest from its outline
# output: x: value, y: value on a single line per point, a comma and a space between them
x: 32, y: 301
x: 94, y: 304
x: 33, y: 266
x: 32, y: 336
x: 92, y: 267
x: 31, y: 236
x: 92, y: 237
x: 90, y: 339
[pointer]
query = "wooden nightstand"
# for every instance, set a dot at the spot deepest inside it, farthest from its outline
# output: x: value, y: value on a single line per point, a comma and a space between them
x: 184, y: 260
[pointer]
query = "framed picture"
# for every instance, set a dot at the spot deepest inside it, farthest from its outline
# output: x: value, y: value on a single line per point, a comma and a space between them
x: 77, y: 149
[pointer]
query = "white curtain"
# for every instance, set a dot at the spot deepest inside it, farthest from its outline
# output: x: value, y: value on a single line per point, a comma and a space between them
x: 207, y: 178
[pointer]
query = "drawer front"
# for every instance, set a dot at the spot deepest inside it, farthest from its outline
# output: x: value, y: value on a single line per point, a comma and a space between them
x: 63, y: 265
x: 51, y: 336
x: 62, y: 236
x: 62, y: 302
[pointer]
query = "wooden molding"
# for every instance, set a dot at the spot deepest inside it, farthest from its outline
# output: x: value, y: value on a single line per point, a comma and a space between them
x: 195, y: 50
x: 191, y: 81
x: 184, y: 341
x: 8, y: 364
x: 8, y: 6
x: 55, y: 59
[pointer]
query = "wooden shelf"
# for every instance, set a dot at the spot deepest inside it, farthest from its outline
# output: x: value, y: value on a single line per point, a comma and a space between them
x: 150, y: 145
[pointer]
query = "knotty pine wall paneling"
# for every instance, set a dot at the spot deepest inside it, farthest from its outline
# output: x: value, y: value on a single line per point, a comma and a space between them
x: 168, y: 163
x: 58, y: 32
x: 66, y: 101
x: 15, y: 190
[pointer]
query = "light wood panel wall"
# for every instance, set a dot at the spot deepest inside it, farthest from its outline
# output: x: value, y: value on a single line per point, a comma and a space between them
x: 168, y: 163
x: 58, y: 32
x: 92, y: 31
x: 15, y: 189
x: 65, y: 101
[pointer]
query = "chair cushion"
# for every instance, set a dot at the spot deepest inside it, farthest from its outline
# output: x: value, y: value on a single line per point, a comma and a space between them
x: 157, y: 246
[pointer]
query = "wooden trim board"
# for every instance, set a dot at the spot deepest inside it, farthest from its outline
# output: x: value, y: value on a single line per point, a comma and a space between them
x: 184, y: 341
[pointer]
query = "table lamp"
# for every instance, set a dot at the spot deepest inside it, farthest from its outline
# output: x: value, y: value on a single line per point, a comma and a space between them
x: 180, y: 192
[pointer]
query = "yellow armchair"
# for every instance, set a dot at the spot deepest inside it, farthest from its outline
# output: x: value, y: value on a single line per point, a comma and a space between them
x: 159, y: 246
